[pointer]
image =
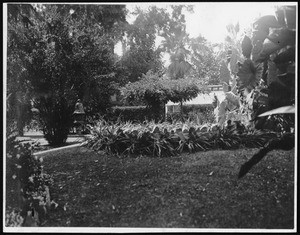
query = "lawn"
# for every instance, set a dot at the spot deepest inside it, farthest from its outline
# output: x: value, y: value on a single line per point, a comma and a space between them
x: 198, y: 190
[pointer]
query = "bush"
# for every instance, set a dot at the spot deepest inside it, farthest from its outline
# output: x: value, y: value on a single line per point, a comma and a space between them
x: 199, y: 114
x: 27, y: 186
x: 129, y: 113
x: 33, y: 125
x: 55, y: 117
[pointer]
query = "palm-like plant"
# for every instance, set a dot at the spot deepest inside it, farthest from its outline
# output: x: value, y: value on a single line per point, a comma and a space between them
x: 179, y: 66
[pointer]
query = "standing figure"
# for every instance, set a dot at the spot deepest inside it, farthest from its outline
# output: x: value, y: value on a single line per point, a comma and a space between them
x: 79, y: 117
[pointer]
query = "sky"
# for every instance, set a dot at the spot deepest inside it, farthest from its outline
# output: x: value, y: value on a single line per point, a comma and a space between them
x: 210, y: 18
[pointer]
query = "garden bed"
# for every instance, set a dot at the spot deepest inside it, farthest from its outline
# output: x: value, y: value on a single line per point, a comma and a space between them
x: 198, y: 190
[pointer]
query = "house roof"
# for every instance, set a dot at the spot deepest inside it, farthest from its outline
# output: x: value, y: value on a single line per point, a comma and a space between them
x: 202, y: 98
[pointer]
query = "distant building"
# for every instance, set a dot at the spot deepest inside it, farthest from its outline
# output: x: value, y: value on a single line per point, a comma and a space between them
x: 201, y: 99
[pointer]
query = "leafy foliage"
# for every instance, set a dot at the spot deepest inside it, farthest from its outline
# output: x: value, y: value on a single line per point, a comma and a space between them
x: 274, y: 42
x: 169, y: 27
x: 232, y: 47
x: 29, y: 184
x: 65, y: 51
x: 156, y: 91
x: 269, y: 76
x: 179, y: 67
x: 176, y: 41
x: 141, y: 54
x: 129, y: 113
x: 164, y: 139
x: 249, y: 76
x: 204, y: 61
x: 81, y: 57
x: 200, y: 114
x: 281, y: 110
x: 18, y: 47
x: 174, y: 30
x: 246, y: 47
x: 225, y: 76
x: 55, y: 117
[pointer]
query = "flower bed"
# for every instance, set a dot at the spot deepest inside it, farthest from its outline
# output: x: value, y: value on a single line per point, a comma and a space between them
x: 164, y: 139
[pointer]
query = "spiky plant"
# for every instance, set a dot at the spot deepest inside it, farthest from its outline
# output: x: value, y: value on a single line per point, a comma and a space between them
x: 165, y: 140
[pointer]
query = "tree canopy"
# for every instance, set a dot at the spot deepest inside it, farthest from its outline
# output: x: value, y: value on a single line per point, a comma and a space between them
x: 61, y: 52
x: 156, y: 91
x: 67, y: 50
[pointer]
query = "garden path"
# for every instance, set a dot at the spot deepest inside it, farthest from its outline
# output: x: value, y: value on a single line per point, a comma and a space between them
x: 73, y: 141
x: 72, y: 138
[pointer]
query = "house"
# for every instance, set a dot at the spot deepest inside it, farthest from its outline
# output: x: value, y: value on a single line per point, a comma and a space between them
x: 201, y: 99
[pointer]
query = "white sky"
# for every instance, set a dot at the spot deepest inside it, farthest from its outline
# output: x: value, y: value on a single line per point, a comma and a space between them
x: 210, y: 19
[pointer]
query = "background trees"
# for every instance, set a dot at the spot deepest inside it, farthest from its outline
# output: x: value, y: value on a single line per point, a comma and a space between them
x: 18, y: 48
x: 160, y: 33
x: 58, y: 53
x: 204, y: 60
x: 140, y: 52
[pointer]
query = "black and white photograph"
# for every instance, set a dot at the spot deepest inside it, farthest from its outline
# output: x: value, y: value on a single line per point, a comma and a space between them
x: 138, y: 117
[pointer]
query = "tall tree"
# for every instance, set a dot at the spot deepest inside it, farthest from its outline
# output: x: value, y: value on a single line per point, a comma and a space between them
x: 176, y: 42
x: 68, y: 55
x: 204, y: 61
x: 141, y: 54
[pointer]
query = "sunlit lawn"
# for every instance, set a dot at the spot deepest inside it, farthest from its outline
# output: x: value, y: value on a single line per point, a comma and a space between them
x: 190, y: 191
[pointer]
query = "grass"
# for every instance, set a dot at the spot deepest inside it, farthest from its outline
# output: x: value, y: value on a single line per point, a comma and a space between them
x: 190, y: 191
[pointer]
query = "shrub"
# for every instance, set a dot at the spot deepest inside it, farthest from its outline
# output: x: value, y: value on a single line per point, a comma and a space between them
x: 55, y: 117
x: 33, y: 125
x: 129, y: 113
x: 27, y: 186
x: 199, y: 114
